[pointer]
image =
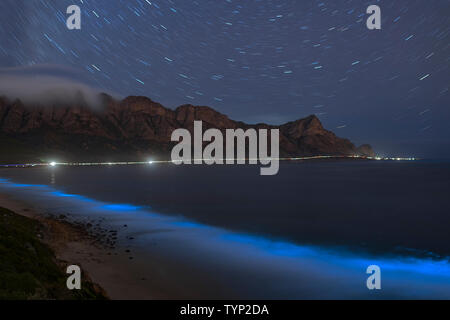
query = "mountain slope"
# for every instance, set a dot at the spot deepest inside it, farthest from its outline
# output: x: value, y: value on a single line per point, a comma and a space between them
x: 136, y: 128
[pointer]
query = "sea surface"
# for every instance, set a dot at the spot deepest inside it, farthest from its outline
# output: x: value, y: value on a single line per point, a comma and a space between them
x: 309, y: 232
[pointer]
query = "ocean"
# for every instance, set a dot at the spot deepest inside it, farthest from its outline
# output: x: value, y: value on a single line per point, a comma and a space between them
x: 309, y: 232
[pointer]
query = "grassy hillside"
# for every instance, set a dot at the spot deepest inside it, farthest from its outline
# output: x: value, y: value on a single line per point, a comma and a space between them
x: 28, y: 268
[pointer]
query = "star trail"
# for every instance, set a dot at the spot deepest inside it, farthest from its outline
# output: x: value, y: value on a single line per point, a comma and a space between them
x: 258, y: 60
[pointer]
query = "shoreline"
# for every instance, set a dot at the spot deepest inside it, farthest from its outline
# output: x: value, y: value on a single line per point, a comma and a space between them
x: 73, y: 244
x: 154, y: 256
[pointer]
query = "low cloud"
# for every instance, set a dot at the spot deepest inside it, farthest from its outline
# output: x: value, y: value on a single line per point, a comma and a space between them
x: 48, y: 84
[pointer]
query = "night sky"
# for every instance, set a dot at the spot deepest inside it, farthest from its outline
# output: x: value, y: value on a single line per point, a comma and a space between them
x: 256, y: 61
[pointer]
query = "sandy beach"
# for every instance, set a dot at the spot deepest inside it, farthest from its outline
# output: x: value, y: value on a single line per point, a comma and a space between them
x: 106, y: 265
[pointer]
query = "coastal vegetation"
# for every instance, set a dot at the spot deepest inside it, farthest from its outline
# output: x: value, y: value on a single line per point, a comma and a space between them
x: 29, y: 269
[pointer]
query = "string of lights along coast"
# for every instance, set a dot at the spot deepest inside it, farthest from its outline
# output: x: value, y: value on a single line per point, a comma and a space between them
x: 151, y: 162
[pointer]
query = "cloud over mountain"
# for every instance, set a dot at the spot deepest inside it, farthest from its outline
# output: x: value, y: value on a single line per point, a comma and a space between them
x: 48, y: 84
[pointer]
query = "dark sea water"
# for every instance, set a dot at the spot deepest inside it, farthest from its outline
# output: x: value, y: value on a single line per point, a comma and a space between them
x: 378, y: 205
x: 346, y: 215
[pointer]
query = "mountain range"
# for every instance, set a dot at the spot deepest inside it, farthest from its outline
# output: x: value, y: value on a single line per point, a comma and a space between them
x: 136, y: 128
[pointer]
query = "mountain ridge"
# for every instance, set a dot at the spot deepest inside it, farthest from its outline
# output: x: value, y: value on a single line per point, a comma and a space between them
x: 137, y: 127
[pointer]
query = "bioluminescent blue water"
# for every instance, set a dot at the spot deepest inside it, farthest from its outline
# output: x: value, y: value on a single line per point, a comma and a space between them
x: 120, y: 207
x: 244, y: 261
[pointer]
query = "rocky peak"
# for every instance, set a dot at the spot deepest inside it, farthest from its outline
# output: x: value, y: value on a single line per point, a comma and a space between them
x: 186, y: 115
x: 303, y: 127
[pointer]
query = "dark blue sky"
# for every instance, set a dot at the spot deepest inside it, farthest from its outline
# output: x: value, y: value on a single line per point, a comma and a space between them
x: 258, y: 61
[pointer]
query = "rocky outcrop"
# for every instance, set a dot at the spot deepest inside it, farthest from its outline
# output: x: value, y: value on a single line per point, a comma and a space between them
x: 138, y: 127
x: 365, y: 150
